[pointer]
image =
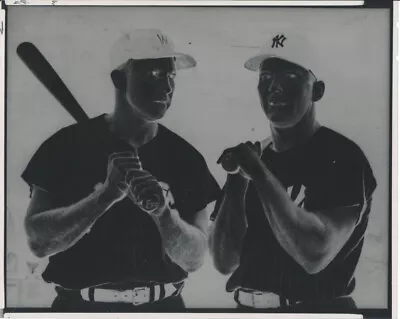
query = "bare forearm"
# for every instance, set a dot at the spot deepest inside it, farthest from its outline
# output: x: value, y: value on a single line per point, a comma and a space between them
x: 228, y: 230
x: 184, y: 243
x: 58, y: 229
x: 298, y: 231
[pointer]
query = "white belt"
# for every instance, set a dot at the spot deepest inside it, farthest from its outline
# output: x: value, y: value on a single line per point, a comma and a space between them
x: 136, y: 296
x: 258, y: 299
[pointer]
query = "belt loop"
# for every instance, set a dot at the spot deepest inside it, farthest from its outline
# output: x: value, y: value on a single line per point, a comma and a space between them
x: 91, y: 294
x: 283, y: 301
x: 162, y: 291
x: 178, y: 288
x: 236, y: 296
x: 152, y: 293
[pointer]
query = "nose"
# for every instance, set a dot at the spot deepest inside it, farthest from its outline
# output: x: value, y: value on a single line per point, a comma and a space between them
x: 275, y: 86
x: 170, y: 85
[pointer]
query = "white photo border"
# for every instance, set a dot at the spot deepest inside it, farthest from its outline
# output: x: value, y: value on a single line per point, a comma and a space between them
x: 395, y: 192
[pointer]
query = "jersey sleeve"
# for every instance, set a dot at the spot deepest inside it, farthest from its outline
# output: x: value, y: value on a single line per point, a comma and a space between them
x: 346, y: 181
x: 49, y: 165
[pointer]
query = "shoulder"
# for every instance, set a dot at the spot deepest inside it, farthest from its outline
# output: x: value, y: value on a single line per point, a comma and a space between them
x: 180, y: 145
x: 338, y: 145
x: 70, y: 135
x: 350, y: 160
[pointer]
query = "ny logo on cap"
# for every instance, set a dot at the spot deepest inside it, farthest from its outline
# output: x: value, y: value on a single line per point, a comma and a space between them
x: 163, y: 39
x: 278, y: 40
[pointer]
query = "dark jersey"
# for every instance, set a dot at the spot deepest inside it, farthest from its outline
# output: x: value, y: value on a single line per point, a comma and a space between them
x: 124, y: 245
x: 326, y: 172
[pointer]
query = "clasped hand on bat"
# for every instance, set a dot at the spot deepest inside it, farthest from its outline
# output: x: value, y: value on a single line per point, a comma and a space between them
x: 125, y: 177
x: 243, y: 159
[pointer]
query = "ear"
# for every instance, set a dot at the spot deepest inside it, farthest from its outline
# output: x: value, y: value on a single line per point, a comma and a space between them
x: 118, y: 78
x: 318, y: 91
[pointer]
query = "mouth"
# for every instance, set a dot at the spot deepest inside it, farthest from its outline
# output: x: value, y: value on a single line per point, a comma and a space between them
x: 276, y: 102
x: 165, y: 100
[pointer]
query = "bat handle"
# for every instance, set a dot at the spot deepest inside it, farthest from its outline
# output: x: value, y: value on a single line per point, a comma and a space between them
x: 230, y: 164
x: 153, y: 201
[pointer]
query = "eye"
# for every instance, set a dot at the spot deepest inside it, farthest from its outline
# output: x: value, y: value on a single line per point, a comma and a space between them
x: 172, y: 75
x: 156, y: 74
x: 291, y: 75
x: 159, y: 74
x: 265, y: 76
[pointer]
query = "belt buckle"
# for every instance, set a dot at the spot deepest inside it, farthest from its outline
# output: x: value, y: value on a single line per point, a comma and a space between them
x: 140, y: 295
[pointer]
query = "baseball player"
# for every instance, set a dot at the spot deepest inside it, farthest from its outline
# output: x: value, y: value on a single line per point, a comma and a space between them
x: 122, y: 231
x: 290, y: 226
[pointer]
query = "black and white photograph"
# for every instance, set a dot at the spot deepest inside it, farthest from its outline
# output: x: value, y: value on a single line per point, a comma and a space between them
x: 178, y: 158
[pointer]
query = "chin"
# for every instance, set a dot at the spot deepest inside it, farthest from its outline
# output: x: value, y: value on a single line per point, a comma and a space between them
x: 154, y: 112
x: 284, y: 124
x: 155, y: 117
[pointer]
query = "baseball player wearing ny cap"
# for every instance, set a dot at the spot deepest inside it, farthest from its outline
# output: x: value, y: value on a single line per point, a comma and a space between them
x: 122, y: 232
x: 291, y: 222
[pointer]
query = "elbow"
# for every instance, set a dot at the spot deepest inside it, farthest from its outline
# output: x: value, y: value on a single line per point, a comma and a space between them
x: 225, y: 265
x: 195, y: 261
x: 224, y: 269
x: 313, y: 268
x: 192, y: 265
x: 317, y: 255
x: 35, y: 244
x: 315, y: 262
x: 37, y: 249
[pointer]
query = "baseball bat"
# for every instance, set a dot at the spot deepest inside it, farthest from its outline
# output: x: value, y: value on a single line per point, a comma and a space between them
x: 46, y: 74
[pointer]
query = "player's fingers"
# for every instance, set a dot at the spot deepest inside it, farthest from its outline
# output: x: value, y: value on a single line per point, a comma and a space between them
x: 126, y: 165
x: 123, y: 164
x: 256, y: 146
x: 136, y: 174
x: 139, y: 184
x: 118, y: 160
x: 226, y: 153
x: 142, y: 188
x: 151, y: 193
x: 136, y: 181
x: 244, y: 147
x: 120, y: 154
x: 122, y: 186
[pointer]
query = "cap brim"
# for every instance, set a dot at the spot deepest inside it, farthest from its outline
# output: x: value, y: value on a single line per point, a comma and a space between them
x: 254, y: 63
x: 184, y: 61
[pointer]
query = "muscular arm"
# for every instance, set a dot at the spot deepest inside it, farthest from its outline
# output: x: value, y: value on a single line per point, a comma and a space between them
x: 184, y: 243
x: 52, y: 229
x: 228, y: 230
x: 313, y: 239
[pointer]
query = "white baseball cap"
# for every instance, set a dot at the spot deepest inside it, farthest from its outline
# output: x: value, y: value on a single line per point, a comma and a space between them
x: 147, y: 44
x: 286, y: 45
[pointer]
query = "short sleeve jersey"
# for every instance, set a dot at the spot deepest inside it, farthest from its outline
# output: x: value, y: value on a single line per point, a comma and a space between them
x: 326, y: 172
x: 124, y: 245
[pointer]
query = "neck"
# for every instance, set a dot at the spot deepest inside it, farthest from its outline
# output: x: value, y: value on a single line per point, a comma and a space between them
x: 130, y: 126
x: 286, y: 138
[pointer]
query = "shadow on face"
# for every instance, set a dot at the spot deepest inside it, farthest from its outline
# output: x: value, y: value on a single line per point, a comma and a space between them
x: 148, y: 85
x: 287, y: 91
